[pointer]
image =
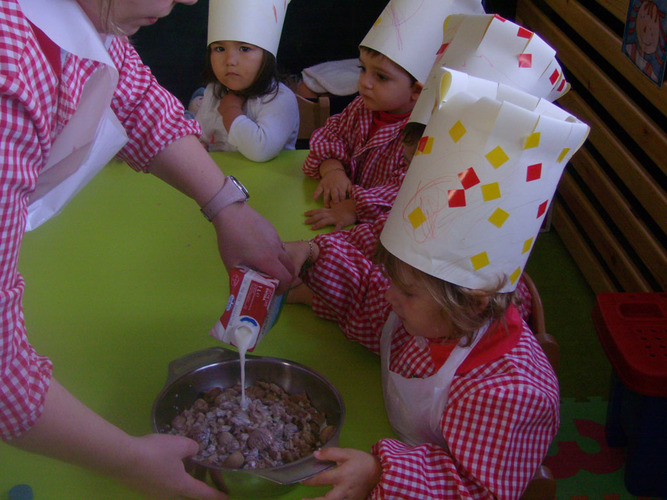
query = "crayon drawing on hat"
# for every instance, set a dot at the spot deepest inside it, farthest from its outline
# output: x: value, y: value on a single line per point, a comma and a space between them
x: 474, y: 198
x: 393, y: 33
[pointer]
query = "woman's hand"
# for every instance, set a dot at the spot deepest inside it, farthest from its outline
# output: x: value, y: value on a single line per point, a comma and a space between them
x: 341, y: 215
x: 355, y: 476
x: 158, y: 469
x: 69, y: 431
x: 247, y: 238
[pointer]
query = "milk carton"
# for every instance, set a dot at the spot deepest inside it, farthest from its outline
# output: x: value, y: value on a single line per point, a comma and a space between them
x: 252, y: 309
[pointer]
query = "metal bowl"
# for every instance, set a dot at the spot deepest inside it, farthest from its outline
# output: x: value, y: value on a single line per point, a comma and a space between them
x: 200, y: 371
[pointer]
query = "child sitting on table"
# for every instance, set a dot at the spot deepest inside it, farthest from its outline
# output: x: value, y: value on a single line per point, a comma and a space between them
x: 357, y: 155
x: 245, y: 108
x: 468, y: 391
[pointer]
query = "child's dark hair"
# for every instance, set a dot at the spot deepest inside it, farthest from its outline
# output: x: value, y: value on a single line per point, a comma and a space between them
x: 466, y: 309
x: 265, y: 83
x: 412, y: 132
x: 375, y: 53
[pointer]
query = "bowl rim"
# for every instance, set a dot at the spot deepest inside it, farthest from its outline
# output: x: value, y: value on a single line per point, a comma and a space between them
x: 173, y: 380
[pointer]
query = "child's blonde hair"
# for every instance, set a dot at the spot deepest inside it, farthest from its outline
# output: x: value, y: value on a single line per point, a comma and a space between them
x: 466, y: 309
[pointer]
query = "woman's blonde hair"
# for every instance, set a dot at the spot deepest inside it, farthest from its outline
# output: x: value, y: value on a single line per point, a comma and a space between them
x: 466, y: 309
x: 107, y: 20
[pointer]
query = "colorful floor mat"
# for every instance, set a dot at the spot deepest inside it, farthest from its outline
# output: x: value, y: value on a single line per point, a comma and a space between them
x: 584, y: 466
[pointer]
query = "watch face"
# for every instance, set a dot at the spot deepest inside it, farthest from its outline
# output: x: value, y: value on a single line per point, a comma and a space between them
x: 240, y: 186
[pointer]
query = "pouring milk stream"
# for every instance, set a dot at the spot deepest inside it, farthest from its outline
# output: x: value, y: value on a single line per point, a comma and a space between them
x: 252, y: 309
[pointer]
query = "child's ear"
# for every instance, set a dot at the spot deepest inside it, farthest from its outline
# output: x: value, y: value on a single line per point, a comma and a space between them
x: 416, y: 90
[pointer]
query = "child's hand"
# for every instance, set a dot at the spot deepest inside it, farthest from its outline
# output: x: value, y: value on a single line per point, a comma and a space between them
x: 355, y: 476
x: 340, y: 215
x: 230, y: 107
x: 334, y: 185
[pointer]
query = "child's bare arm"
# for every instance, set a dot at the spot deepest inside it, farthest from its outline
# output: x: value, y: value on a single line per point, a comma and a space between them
x: 334, y: 185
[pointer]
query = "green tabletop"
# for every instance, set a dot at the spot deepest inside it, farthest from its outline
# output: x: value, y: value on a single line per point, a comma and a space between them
x: 128, y: 278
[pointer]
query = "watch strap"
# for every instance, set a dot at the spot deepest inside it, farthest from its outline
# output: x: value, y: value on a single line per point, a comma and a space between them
x: 231, y: 192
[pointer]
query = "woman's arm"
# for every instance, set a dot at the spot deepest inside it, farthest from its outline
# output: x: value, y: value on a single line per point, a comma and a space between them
x: 153, y: 464
x: 244, y: 236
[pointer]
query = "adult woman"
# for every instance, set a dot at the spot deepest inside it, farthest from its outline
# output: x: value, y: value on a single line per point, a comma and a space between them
x: 71, y: 97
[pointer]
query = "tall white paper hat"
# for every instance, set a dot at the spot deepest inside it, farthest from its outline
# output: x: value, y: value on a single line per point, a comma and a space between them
x: 476, y: 193
x: 494, y: 49
x: 409, y: 32
x: 259, y: 22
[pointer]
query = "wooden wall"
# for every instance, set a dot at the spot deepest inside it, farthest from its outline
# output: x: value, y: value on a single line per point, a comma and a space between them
x: 611, y: 206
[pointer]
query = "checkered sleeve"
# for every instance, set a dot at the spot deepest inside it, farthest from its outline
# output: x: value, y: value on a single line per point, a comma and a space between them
x: 372, y: 202
x: 27, y: 89
x: 151, y: 116
x: 364, y: 236
x: 337, y: 138
x: 499, y: 423
x: 349, y: 289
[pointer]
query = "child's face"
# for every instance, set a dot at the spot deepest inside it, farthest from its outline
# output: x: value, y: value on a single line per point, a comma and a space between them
x: 385, y: 86
x: 420, y: 314
x: 236, y: 64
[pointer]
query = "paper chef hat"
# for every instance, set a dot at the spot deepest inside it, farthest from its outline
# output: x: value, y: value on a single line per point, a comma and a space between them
x: 494, y: 49
x: 409, y: 32
x: 474, y: 198
x: 259, y: 22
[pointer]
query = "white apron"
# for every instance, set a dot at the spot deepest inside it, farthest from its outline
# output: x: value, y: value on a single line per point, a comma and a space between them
x: 93, y: 135
x: 415, y: 406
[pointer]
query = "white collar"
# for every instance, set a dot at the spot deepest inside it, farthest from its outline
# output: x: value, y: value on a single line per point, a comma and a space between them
x: 65, y: 22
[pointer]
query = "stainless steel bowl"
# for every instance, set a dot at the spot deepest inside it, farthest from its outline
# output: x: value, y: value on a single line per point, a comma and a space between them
x: 200, y: 371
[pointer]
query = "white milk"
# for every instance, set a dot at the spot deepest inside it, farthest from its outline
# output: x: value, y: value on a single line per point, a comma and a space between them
x: 244, y: 337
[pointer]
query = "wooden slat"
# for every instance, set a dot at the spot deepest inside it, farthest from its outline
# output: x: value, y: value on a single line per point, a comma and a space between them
x: 589, y: 265
x: 644, y: 131
x: 618, y: 8
x: 643, y: 242
x: 608, y: 45
x: 625, y: 165
x: 610, y: 250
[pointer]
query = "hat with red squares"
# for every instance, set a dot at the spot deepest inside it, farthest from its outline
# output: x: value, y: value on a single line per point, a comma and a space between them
x: 491, y: 48
x: 479, y: 186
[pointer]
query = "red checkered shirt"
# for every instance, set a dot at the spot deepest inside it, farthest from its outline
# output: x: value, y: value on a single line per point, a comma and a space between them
x: 375, y: 165
x: 503, y: 410
x: 35, y: 104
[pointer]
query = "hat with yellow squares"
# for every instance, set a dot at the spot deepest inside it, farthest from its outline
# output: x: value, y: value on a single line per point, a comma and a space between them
x: 476, y: 193
x: 259, y: 22
x: 494, y: 49
x: 409, y: 32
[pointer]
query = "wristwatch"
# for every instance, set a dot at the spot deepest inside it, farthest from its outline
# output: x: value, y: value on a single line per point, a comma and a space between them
x: 232, y: 191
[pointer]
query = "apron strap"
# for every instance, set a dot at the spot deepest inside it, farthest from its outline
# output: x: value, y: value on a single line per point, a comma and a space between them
x: 49, y: 48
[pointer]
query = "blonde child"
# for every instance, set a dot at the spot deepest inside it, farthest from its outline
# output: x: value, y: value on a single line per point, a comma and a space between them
x: 245, y: 107
x: 358, y: 156
x: 505, y: 388
x: 469, y: 393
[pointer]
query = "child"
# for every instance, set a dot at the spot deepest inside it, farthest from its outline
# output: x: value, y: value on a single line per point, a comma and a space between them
x: 357, y: 155
x: 245, y: 108
x: 469, y: 393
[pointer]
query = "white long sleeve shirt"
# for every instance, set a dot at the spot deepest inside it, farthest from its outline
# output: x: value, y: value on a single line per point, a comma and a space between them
x: 269, y: 124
